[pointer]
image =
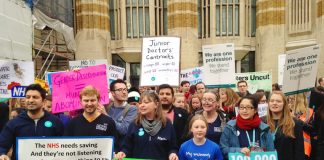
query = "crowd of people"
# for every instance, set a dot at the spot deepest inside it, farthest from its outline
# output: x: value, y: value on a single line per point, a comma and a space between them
x: 189, y: 122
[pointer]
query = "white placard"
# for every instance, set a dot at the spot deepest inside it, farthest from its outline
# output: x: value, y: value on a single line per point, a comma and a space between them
x: 219, y: 65
x: 193, y: 75
x: 115, y: 72
x: 281, y: 67
x: 14, y: 72
x: 300, y: 70
x: 67, y: 148
x: 160, y: 61
x: 262, y: 109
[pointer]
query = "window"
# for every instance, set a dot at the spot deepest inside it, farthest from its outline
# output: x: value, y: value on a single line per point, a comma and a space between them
x: 137, y: 18
x: 250, y: 12
x: 114, y: 14
x: 248, y: 62
x: 200, y: 59
x: 161, y: 18
x: 203, y: 18
x: 299, y: 16
x: 227, y: 17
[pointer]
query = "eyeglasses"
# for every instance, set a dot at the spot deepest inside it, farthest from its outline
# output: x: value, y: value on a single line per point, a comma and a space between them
x: 120, y: 90
x: 209, y: 101
x: 246, y: 108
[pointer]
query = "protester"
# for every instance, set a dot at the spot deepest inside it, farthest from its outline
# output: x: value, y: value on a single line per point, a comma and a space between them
x: 242, y: 87
x: 195, y: 104
x: 178, y: 116
x: 286, y: 131
x: 321, y: 81
x: 48, y: 107
x: 120, y: 111
x: 319, y: 126
x: 184, y: 87
x: 34, y: 122
x: 179, y: 101
x: 229, y: 101
x: 4, y: 114
x: 199, y: 147
x: 133, y: 97
x: 201, y: 88
x: 247, y: 132
x: 261, y: 97
x: 16, y: 111
x: 151, y: 135
x: 275, y: 87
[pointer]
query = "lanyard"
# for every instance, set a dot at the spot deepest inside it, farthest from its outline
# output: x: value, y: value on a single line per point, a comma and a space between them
x: 274, y: 134
x: 247, y: 134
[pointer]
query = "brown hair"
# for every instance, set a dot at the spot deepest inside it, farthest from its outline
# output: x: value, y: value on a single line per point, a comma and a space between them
x: 197, y: 117
x: 232, y: 97
x: 190, y: 102
x: 89, y: 91
x: 286, y: 122
x: 151, y: 96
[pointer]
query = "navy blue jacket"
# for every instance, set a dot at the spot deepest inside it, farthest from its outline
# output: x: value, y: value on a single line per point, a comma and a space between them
x: 139, y: 144
x: 24, y: 126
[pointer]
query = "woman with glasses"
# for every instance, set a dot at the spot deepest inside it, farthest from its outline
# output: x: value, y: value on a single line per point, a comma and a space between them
x: 151, y: 135
x: 247, y: 132
x: 215, y: 118
x: 286, y: 131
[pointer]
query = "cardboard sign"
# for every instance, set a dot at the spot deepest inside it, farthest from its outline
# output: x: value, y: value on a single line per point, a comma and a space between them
x: 193, y: 75
x: 160, y: 61
x: 67, y: 148
x: 256, y: 80
x: 67, y: 86
x: 15, y: 73
x: 300, y: 70
x: 219, y: 65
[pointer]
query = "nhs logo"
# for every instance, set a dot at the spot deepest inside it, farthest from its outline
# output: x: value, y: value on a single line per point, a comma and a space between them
x: 18, y: 92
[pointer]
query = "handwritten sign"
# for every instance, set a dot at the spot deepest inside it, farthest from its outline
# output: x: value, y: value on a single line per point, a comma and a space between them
x: 67, y: 86
x: 300, y: 70
x: 256, y: 80
x: 193, y: 75
x: 115, y: 73
x: 160, y: 61
x: 67, y: 148
x: 219, y: 65
x: 15, y: 73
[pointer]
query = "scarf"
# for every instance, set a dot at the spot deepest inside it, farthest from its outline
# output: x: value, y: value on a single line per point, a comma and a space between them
x: 152, y: 128
x: 248, y: 124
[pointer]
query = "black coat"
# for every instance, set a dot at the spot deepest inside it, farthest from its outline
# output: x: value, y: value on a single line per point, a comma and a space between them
x: 179, y: 123
x: 290, y: 148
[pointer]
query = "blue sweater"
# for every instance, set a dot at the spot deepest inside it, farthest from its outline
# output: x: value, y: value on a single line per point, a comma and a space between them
x: 23, y: 126
x: 139, y: 144
x: 208, y: 151
x: 230, y: 143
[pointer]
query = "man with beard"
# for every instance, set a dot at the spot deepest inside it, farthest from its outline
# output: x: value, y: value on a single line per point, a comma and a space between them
x: 178, y: 116
x: 34, y: 122
x: 91, y: 122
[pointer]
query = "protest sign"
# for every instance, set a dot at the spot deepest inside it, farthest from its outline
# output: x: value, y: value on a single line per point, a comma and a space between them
x: 67, y: 86
x: 86, y: 63
x: 18, y: 92
x: 115, y: 73
x: 256, y: 80
x: 262, y: 109
x: 219, y: 65
x: 15, y: 73
x: 160, y: 61
x: 65, y: 148
x: 300, y: 70
x: 253, y: 156
x: 193, y: 75
x: 281, y: 67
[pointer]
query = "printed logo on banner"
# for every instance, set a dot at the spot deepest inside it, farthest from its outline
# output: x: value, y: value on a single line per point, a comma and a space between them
x: 18, y: 91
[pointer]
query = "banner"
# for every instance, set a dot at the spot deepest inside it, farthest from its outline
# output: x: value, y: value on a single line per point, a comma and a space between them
x: 15, y: 73
x: 219, y: 65
x: 300, y: 70
x: 67, y: 148
x: 67, y: 86
x: 281, y: 67
x: 256, y: 80
x: 160, y: 61
x: 193, y: 75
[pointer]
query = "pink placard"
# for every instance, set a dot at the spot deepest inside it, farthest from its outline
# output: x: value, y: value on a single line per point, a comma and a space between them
x: 67, y: 86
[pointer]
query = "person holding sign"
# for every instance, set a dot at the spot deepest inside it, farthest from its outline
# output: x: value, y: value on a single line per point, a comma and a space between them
x: 34, y: 123
x: 286, y: 131
x: 199, y: 147
x: 151, y: 135
x: 247, y: 133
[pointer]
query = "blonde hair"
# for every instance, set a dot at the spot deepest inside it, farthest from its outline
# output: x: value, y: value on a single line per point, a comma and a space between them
x: 181, y: 95
x: 151, y: 97
x: 286, y: 122
x: 197, y: 117
x: 90, y: 91
x: 301, y: 104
